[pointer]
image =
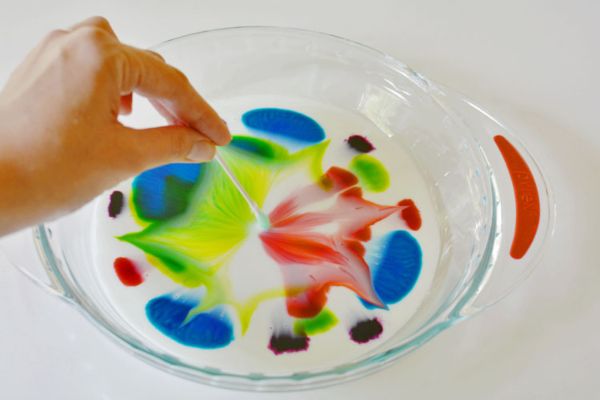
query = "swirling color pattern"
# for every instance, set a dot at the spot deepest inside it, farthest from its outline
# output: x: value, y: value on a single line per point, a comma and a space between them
x: 194, y: 221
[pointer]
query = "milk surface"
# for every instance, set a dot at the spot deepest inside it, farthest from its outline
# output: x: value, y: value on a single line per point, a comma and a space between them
x: 252, y: 269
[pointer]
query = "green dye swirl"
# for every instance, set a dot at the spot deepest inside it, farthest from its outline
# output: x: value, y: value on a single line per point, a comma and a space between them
x: 323, y: 322
x: 193, y: 248
x: 371, y: 172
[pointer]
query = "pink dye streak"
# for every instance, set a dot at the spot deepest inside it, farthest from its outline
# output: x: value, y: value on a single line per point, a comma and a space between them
x: 311, y: 261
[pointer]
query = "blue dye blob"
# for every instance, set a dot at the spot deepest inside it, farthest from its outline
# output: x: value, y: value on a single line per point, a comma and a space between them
x: 285, y: 124
x: 163, y: 192
x: 395, y: 267
x: 209, y: 330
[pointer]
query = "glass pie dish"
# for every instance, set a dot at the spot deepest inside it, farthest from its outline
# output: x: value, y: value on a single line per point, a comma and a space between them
x: 492, y: 205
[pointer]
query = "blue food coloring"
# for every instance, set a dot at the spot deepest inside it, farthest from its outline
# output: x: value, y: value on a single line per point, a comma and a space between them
x: 395, y: 266
x: 209, y: 330
x: 164, y: 192
x: 283, y: 123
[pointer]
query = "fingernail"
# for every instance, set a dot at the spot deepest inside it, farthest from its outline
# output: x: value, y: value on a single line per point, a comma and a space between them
x: 201, y: 151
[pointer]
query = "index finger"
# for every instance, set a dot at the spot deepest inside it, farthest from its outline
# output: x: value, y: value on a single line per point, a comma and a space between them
x: 153, y: 78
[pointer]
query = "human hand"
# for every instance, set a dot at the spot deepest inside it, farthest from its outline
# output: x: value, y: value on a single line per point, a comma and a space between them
x: 60, y: 141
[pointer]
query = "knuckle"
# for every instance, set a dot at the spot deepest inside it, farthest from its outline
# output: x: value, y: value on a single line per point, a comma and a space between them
x: 93, y: 46
x: 93, y: 35
x: 55, y: 34
x: 180, y: 76
x: 100, y: 22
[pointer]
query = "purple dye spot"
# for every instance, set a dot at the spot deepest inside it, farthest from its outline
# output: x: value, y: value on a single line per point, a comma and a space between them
x: 286, y: 343
x: 365, y: 331
x: 116, y: 204
x: 360, y: 144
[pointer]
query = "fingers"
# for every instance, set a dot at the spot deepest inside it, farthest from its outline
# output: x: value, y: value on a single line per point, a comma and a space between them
x: 168, y: 89
x: 168, y: 115
x: 147, y: 148
x: 147, y: 74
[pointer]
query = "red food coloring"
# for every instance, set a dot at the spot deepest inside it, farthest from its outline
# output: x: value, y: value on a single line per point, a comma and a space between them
x: 308, y: 303
x: 312, y: 262
x: 341, y: 178
x: 363, y: 234
x: 307, y: 249
x: 338, y: 179
x: 356, y: 247
x: 353, y: 192
x: 360, y: 144
x: 410, y: 214
x: 115, y: 206
x: 286, y: 343
x: 127, y: 272
x: 365, y: 331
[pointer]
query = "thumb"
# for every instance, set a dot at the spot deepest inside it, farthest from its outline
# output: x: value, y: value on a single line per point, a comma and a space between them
x: 151, y: 147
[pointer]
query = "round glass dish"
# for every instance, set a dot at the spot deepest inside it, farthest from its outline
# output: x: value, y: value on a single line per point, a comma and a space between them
x: 492, y: 203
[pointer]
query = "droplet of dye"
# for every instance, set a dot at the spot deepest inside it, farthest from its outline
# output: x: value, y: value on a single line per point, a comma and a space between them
x: 209, y: 330
x: 360, y: 144
x: 395, y: 266
x: 115, y: 205
x: 371, y: 172
x: 127, y: 272
x: 284, y: 123
x: 313, y: 326
x: 365, y: 331
x: 286, y: 343
x: 164, y: 192
x: 410, y: 214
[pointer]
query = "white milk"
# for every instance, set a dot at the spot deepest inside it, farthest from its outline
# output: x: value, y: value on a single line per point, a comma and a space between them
x: 252, y: 266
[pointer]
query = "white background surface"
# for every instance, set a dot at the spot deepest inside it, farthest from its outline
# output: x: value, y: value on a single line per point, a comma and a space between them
x: 534, y: 63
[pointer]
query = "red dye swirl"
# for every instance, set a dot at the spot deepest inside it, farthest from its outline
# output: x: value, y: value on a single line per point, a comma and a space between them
x: 313, y: 261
